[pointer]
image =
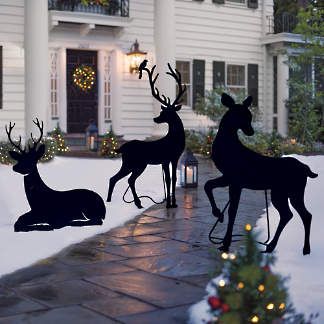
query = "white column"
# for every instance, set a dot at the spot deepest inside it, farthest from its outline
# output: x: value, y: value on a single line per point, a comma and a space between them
x: 36, y: 63
x: 282, y: 93
x: 117, y: 64
x: 100, y: 78
x: 164, y: 32
x: 62, y: 89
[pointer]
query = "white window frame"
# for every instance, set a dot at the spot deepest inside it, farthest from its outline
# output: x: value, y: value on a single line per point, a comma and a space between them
x: 245, y: 77
x: 107, y: 102
x: 244, y: 3
x: 188, y: 85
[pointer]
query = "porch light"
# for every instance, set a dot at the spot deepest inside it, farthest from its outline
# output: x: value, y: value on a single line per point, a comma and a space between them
x: 188, y: 170
x: 92, y: 136
x: 136, y: 56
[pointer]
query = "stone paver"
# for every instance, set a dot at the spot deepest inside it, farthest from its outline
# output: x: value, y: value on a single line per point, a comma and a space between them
x: 148, y: 271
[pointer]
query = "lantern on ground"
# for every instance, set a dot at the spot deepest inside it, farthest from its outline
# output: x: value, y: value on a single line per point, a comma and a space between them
x: 92, y: 136
x: 188, y: 170
x: 136, y: 56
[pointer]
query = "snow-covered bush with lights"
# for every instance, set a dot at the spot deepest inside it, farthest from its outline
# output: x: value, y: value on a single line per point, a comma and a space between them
x: 246, y: 291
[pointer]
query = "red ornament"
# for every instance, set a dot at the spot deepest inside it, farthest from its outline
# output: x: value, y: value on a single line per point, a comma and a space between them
x: 214, y: 302
x: 266, y: 268
x: 225, y: 308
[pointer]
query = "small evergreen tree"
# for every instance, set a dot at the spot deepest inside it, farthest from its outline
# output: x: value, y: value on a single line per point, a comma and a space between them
x: 108, y: 145
x: 247, y: 291
x: 61, y: 146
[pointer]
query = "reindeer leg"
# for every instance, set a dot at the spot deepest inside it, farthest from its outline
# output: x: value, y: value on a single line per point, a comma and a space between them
x: 297, y: 200
x: 28, y: 222
x: 135, y: 174
x: 235, y: 194
x: 166, y: 170
x: 209, y: 186
x: 280, y: 202
x: 123, y: 172
x: 174, y: 181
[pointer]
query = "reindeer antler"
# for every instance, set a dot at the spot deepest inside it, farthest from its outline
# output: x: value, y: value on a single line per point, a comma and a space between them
x: 165, y: 101
x: 182, y: 87
x: 40, y: 126
x: 17, y: 146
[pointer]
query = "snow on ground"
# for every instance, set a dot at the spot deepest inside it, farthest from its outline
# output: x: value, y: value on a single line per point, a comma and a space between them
x: 306, y: 284
x: 19, y: 250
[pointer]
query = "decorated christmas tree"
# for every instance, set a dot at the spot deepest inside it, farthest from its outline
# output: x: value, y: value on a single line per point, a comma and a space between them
x: 57, y: 134
x: 108, y: 145
x: 247, y: 291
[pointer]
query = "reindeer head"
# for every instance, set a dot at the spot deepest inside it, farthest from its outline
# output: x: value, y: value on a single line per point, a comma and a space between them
x: 26, y: 158
x: 239, y: 115
x: 168, y: 109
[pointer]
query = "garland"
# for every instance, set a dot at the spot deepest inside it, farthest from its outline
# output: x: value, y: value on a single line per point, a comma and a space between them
x: 84, y: 77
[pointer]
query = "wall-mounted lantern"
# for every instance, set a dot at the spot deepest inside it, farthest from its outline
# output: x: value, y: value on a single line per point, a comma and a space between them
x: 136, y: 56
x: 92, y: 136
x: 188, y: 170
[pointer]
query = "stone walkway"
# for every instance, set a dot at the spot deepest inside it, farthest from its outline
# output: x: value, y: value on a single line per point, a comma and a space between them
x: 148, y: 271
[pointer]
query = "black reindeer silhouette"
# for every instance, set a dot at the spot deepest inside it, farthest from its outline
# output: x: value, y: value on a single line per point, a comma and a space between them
x: 51, y: 209
x: 136, y: 155
x: 242, y: 168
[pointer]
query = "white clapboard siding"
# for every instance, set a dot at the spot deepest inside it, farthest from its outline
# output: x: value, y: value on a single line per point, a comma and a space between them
x: 226, y: 32
x: 137, y: 102
x: 11, y: 40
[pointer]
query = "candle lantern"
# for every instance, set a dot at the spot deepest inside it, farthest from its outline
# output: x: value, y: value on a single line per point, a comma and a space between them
x: 188, y: 170
x: 92, y: 136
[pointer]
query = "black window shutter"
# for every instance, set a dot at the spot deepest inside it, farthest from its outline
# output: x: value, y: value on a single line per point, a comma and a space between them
x: 319, y: 74
x: 198, y: 80
x: 218, y: 74
x: 252, y: 4
x: 1, y: 79
x: 253, y: 82
x: 219, y: 1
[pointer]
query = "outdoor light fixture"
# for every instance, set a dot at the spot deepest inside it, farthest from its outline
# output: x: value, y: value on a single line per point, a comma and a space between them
x: 92, y: 136
x: 188, y: 170
x: 136, y: 56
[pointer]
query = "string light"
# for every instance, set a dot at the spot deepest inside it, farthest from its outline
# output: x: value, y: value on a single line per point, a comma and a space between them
x: 248, y: 227
x: 270, y: 306
x: 261, y: 288
x: 282, y: 306
x: 240, y: 285
x: 232, y: 256
x: 224, y: 256
x: 221, y: 283
x: 255, y: 319
x: 84, y: 77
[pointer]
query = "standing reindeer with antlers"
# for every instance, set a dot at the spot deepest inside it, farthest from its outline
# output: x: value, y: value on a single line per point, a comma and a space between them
x: 51, y: 209
x: 136, y: 155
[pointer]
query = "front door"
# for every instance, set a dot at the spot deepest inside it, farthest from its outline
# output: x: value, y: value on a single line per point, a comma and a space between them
x: 82, y: 89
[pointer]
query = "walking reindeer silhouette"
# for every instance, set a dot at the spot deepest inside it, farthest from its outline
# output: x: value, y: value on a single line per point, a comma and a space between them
x: 136, y: 155
x: 51, y: 209
x: 241, y: 167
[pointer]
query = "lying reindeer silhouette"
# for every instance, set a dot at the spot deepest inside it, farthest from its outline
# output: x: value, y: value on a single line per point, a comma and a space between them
x: 136, y: 155
x: 51, y: 209
x: 241, y: 167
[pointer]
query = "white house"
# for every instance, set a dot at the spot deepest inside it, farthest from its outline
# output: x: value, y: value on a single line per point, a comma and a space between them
x: 211, y: 42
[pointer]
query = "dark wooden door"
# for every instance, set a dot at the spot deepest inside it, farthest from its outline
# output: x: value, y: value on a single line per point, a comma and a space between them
x: 81, y: 105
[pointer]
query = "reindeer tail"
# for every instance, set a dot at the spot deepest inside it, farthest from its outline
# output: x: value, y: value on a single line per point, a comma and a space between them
x: 310, y: 173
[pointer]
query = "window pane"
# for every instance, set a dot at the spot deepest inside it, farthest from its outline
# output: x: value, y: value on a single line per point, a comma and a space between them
x: 184, y: 70
x: 235, y: 75
x: 238, y: 1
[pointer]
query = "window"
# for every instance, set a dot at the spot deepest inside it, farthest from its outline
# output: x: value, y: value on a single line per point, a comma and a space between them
x: 54, y: 85
x: 107, y: 87
x: 235, y: 78
x: 0, y: 77
x: 184, y: 69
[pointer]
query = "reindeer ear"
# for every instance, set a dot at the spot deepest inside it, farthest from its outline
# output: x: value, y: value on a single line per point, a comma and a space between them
x: 227, y: 100
x: 248, y: 101
x: 14, y: 155
x: 41, y: 150
x: 177, y: 107
x: 163, y: 107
